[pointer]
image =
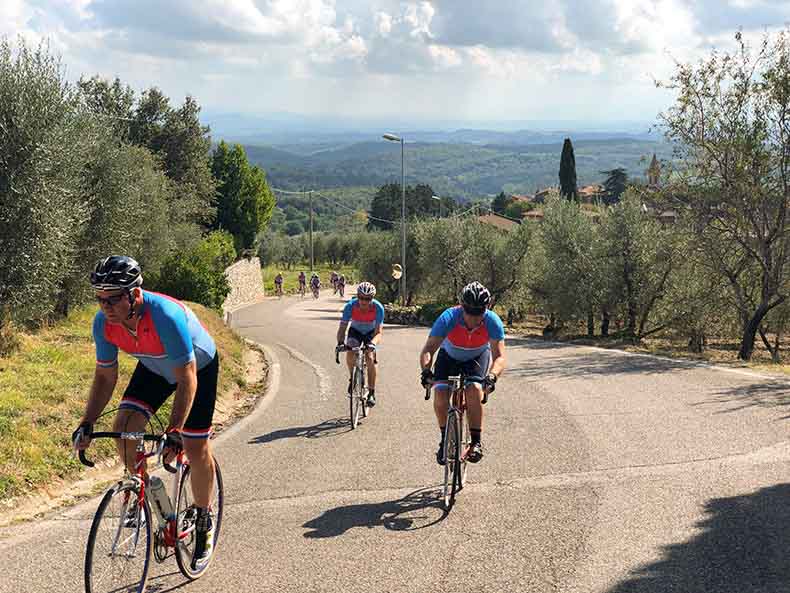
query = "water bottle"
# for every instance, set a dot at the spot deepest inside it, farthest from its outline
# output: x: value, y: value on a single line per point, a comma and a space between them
x: 162, y: 505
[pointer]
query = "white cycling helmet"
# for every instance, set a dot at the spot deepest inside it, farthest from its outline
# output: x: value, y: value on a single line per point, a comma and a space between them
x: 366, y: 289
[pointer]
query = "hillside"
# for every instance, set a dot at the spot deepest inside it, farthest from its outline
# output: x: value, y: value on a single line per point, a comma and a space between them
x: 460, y: 170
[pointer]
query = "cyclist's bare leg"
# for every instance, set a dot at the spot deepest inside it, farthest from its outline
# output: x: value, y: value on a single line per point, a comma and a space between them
x: 474, y: 405
x: 351, y: 359
x: 371, y: 369
x: 128, y: 421
x: 201, y: 466
x: 441, y: 402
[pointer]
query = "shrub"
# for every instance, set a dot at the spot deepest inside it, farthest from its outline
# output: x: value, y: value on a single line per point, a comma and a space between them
x: 199, y: 274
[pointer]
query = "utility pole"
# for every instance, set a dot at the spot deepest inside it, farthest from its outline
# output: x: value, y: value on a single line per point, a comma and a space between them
x: 312, y: 262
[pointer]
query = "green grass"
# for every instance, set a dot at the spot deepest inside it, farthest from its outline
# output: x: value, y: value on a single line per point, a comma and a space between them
x: 43, y: 389
x: 291, y: 277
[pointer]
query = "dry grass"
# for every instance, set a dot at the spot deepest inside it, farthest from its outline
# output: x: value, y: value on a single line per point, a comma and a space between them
x: 720, y: 350
x: 43, y: 388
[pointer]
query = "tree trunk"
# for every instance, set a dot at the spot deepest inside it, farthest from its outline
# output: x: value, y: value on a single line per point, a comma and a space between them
x: 697, y: 342
x: 590, y: 324
x: 604, y: 323
x: 750, y: 333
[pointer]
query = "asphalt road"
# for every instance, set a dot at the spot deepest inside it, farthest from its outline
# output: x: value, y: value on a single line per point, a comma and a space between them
x: 604, y: 472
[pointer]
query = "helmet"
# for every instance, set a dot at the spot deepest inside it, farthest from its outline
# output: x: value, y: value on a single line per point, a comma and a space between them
x: 475, y: 298
x: 116, y: 272
x: 366, y: 289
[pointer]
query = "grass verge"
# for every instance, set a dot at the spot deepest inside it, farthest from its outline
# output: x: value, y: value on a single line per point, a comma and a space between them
x: 43, y: 389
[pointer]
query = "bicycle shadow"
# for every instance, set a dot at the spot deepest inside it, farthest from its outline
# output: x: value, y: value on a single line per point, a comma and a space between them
x: 327, y: 428
x: 740, y: 546
x: 163, y: 587
x: 403, y: 514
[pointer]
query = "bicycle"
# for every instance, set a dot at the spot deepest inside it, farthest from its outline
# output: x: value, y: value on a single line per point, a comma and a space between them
x: 358, y: 398
x: 315, y: 290
x: 342, y: 289
x: 302, y: 289
x: 456, y: 438
x: 124, y: 522
x: 279, y: 291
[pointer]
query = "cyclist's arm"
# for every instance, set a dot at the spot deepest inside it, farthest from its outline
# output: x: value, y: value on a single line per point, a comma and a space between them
x: 376, y: 335
x: 104, y: 380
x: 498, y: 361
x: 341, y: 332
x: 186, y: 377
x: 430, y: 348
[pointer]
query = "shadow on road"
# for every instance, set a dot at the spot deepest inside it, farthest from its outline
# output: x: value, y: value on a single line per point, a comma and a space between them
x: 770, y: 394
x: 417, y: 510
x: 327, y: 428
x: 743, y: 547
x: 157, y: 584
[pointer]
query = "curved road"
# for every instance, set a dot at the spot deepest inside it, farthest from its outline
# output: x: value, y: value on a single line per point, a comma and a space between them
x: 604, y: 472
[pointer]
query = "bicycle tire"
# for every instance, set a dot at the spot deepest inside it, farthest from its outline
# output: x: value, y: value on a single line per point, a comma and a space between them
x: 463, y: 449
x: 355, y: 399
x: 183, y: 551
x: 363, y: 393
x: 450, y: 459
x: 129, y: 491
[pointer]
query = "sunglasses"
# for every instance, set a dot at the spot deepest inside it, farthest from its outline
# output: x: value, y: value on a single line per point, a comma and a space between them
x: 365, y: 299
x: 110, y: 301
x: 474, y: 311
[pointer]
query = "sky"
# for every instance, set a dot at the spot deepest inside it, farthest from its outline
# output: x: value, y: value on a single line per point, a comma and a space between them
x: 481, y: 60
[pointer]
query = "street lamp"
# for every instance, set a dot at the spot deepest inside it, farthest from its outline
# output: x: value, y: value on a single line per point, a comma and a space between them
x: 394, y: 138
x: 440, y: 204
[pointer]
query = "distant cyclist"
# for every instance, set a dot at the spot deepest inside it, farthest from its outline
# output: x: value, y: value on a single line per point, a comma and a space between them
x: 333, y: 281
x: 315, y: 284
x: 341, y: 285
x: 470, y: 338
x: 175, y: 354
x: 363, y: 316
x: 278, y: 283
x: 302, y: 283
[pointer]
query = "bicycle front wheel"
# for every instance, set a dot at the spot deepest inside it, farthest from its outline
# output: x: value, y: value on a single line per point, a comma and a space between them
x: 118, y: 555
x: 187, y: 515
x: 355, y: 399
x: 451, y: 457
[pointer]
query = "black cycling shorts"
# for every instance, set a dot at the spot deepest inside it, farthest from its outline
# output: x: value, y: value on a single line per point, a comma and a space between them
x: 356, y: 338
x: 474, y: 369
x: 147, y: 391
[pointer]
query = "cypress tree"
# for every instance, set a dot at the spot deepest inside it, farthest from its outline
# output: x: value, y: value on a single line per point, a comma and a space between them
x: 568, y: 172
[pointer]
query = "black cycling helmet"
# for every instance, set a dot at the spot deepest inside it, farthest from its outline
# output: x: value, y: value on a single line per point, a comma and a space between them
x: 475, y: 298
x: 117, y: 272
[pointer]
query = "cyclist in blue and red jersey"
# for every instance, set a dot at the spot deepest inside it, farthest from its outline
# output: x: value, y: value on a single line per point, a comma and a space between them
x: 469, y: 338
x: 175, y: 354
x: 363, y: 316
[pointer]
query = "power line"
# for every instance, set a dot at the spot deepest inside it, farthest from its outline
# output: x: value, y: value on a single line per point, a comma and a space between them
x: 328, y: 199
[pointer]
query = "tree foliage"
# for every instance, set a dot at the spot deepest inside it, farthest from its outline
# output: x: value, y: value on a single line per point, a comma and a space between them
x: 568, y: 186
x: 614, y: 185
x: 387, y: 205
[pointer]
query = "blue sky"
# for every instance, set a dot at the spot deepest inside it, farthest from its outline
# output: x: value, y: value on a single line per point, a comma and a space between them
x: 440, y: 59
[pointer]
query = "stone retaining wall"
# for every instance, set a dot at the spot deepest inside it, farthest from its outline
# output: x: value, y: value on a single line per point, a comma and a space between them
x: 246, y: 284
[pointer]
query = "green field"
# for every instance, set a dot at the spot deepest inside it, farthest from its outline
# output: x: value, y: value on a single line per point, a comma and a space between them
x: 291, y: 277
x: 43, y: 388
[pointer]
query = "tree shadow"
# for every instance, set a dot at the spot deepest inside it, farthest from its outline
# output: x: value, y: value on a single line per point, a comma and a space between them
x: 743, y: 547
x: 772, y: 394
x: 327, y: 428
x: 579, y: 363
x: 417, y: 510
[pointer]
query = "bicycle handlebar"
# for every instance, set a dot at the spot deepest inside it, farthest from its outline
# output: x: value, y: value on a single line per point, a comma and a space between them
x: 127, y: 436
x: 345, y: 348
x: 432, y: 383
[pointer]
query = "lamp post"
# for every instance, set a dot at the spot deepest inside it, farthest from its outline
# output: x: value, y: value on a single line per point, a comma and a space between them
x: 440, y: 204
x: 394, y: 138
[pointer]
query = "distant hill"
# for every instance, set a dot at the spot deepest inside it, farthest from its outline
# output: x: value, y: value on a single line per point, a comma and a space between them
x: 463, y: 169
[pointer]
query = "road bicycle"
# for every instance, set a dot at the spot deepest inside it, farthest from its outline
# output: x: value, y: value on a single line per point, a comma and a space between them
x: 358, y: 398
x: 456, y: 437
x: 135, y: 521
x: 302, y: 289
x: 279, y: 290
x: 341, y: 289
x: 315, y: 289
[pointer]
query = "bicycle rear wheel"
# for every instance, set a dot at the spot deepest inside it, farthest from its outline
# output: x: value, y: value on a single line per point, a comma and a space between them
x: 355, y: 399
x: 185, y: 522
x: 118, y: 554
x: 451, y: 459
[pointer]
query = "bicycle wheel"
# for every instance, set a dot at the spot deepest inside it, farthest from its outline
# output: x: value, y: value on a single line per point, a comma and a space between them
x: 118, y: 554
x: 451, y: 439
x: 186, y: 521
x: 463, y: 450
x: 355, y: 399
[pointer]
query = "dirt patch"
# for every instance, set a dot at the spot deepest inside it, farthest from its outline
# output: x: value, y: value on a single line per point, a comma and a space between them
x: 230, y: 408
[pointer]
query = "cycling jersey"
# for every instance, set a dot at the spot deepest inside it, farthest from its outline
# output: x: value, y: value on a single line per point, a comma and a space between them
x: 363, y: 321
x: 464, y: 344
x: 278, y: 280
x: 169, y: 336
